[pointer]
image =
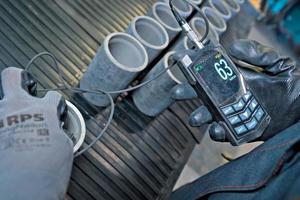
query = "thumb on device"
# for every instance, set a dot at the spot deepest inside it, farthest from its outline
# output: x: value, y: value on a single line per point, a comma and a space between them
x: 202, y: 117
x: 183, y: 92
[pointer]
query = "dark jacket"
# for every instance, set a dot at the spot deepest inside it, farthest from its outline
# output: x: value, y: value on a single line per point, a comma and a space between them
x: 271, y: 171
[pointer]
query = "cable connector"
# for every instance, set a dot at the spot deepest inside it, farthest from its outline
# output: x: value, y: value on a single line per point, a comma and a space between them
x: 181, y: 21
x: 192, y: 35
x: 186, y: 27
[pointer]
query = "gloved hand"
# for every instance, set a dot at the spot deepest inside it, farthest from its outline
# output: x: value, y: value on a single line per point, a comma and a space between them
x: 274, y: 80
x: 183, y: 91
x: 36, y: 155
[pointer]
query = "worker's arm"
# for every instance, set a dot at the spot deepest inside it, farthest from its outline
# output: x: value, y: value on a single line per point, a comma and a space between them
x: 270, y: 171
x: 36, y: 155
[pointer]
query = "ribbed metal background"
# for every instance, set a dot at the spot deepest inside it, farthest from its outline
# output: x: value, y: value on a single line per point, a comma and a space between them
x: 139, y: 157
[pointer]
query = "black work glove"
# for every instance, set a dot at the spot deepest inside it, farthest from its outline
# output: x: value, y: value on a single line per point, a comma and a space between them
x: 274, y: 80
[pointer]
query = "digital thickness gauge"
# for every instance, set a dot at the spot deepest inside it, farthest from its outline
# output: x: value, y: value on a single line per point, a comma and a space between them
x: 225, y: 92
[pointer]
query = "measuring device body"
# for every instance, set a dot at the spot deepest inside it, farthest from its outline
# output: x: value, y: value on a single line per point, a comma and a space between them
x: 222, y: 88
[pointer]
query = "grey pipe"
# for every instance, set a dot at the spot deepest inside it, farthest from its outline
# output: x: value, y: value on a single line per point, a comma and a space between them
x: 162, y: 13
x: 197, y: 2
x: 150, y: 33
x: 233, y: 5
x: 215, y: 21
x: 155, y: 97
x: 182, y: 7
x: 117, y: 62
x: 221, y: 8
x: 182, y: 43
x: 198, y: 25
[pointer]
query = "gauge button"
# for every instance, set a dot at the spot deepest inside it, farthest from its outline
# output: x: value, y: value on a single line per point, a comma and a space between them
x: 247, y: 96
x: 253, y: 105
x: 259, y: 114
x: 245, y: 115
x: 241, y: 129
x: 228, y: 110
x: 252, y: 124
x: 239, y: 106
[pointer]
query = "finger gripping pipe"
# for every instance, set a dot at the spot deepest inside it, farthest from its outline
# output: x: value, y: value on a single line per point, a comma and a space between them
x: 233, y: 5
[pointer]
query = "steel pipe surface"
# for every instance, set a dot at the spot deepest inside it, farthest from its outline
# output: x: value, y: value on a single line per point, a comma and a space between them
x: 117, y: 62
x: 182, y: 7
x: 183, y: 43
x: 197, y: 2
x: 233, y: 5
x: 161, y: 12
x: 150, y: 33
x: 221, y: 8
x: 155, y: 97
x: 215, y: 21
x: 198, y: 25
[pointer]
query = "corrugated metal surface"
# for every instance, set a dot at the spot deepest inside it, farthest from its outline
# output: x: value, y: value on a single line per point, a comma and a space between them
x: 139, y: 157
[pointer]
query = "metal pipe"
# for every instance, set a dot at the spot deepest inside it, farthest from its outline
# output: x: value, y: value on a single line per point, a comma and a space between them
x: 184, y: 9
x: 162, y: 13
x: 150, y: 33
x: 197, y: 2
x: 233, y: 5
x: 183, y: 43
x: 156, y: 96
x: 221, y: 8
x: 117, y: 62
x: 216, y: 22
x: 198, y: 25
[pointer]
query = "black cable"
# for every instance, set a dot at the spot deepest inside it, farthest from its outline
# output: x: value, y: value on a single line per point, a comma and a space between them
x: 204, y: 18
x: 181, y: 20
x: 75, y: 90
x: 109, y: 121
x: 113, y: 92
x: 64, y: 87
x: 59, y: 71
